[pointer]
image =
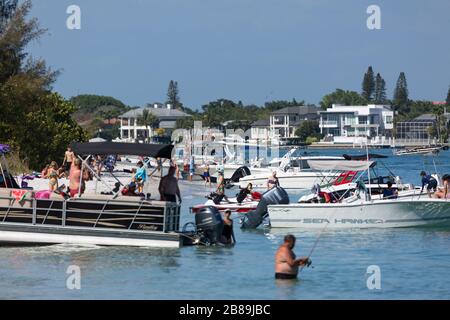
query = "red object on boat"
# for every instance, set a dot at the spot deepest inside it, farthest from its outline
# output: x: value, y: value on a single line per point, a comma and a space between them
x: 256, y: 195
x: 345, y: 177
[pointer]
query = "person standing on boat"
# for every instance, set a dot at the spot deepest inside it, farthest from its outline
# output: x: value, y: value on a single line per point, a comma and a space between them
x: 140, y: 176
x: 168, y: 187
x: 429, y: 182
x: 52, y: 176
x: 273, y: 181
x: 75, y: 178
x: 69, y: 157
x: 220, y: 191
x: 227, y: 231
x: 286, y: 265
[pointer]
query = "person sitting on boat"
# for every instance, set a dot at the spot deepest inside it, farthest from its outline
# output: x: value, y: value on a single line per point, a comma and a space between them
x: 168, y: 187
x: 273, y: 181
x: 389, y: 192
x: 140, y: 176
x: 286, y: 265
x: 243, y: 193
x: 429, y: 181
x: 130, y: 190
x: 227, y: 231
x: 444, y: 192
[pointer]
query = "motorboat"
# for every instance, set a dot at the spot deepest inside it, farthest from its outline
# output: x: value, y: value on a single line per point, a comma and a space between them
x: 359, y: 208
x: 418, y: 151
x: 244, y: 206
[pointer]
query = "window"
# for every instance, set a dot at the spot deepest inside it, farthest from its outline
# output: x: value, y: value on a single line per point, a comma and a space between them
x: 389, y: 120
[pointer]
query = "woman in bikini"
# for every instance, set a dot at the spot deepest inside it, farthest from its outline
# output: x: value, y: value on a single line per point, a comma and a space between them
x: 52, y: 176
x: 273, y: 181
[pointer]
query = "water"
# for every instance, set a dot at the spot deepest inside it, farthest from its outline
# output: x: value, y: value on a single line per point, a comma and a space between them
x: 414, y: 262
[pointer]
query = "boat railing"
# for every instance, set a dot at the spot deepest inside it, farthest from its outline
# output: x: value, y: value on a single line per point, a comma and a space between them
x: 78, y: 212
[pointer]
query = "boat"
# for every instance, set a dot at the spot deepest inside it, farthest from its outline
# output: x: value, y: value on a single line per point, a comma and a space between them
x: 361, y: 209
x: 292, y: 172
x: 418, y: 151
x: 248, y: 204
x: 110, y: 220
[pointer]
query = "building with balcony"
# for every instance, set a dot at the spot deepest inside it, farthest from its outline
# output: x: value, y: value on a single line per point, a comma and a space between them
x: 260, y: 130
x: 420, y: 130
x: 285, y: 121
x: 131, y: 127
x: 348, y: 124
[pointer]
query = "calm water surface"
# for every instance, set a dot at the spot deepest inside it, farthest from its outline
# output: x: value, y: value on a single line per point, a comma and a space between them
x: 414, y: 262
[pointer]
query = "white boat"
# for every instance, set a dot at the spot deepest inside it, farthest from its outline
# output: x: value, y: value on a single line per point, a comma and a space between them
x: 418, y: 151
x: 362, y: 210
x: 292, y: 172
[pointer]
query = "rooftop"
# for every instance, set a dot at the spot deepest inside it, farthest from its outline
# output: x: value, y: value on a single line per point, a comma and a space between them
x: 158, y: 112
x: 261, y: 123
x: 301, y: 110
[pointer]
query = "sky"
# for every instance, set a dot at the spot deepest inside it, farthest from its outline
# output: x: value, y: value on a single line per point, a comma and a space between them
x: 249, y: 50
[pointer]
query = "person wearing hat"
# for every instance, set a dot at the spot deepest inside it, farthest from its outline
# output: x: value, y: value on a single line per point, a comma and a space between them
x: 429, y: 182
x: 220, y: 191
x: 227, y: 231
x: 140, y: 177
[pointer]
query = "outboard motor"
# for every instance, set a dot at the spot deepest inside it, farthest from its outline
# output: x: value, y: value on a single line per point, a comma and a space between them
x: 209, y: 225
x: 254, y: 218
x: 238, y: 174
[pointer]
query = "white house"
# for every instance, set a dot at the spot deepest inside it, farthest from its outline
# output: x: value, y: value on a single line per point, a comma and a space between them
x: 131, y: 128
x: 260, y: 130
x: 350, y: 124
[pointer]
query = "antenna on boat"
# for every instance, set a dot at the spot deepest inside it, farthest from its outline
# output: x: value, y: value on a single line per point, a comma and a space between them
x: 368, y: 170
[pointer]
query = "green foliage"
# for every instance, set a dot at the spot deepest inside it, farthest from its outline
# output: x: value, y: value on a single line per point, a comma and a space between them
x: 311, y: 140
x: 34, y: 121
x: 368, y: 84
x: 90, y: 103
x: 7, y: 9
x: 173, y: 95
x: 380, y: 90
x: 308, y: 129
x: 344, y: 97
x: 401, y: 92
x: 448, y: 97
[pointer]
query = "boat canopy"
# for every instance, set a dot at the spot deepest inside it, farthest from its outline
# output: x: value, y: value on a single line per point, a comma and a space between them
x: 340, y: 165
x: 121, y: 148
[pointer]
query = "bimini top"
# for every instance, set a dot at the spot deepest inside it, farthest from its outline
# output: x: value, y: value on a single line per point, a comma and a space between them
x: 340, y: 165
x: 120, y: 148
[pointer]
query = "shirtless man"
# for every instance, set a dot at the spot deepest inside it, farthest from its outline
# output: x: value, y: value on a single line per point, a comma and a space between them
x: 69, y: 157
x: 75, y: 179
x: 286, y: 266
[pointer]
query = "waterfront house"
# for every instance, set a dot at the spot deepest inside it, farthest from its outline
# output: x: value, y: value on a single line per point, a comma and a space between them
x: 418, y: 130
x: 132, y: 129
x: 351, y: 124
x: 285, y: 121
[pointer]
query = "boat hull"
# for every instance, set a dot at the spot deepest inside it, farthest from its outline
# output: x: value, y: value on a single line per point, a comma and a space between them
x: 376, y: 214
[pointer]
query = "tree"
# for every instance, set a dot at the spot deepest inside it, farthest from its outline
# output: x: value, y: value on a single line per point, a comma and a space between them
x: 401, y: 91
x: 380, y: 90
x: 7, y: 9
x: 368, y: 84
x: 448, y: 97
x: 148, y: 119
x: 344, y: 97
x: 37, y: 123
x: 173, y: 95
x: 307, y: 129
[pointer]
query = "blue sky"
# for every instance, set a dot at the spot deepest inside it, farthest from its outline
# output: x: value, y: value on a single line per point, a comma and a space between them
x: 249, y: 50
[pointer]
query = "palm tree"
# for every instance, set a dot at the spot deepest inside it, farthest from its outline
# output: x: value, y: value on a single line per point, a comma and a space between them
x: 148, y: 119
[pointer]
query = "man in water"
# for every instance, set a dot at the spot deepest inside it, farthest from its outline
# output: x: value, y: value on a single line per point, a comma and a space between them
x: 286, y: 266
x: 227, y: 232
x: 429, y: 181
